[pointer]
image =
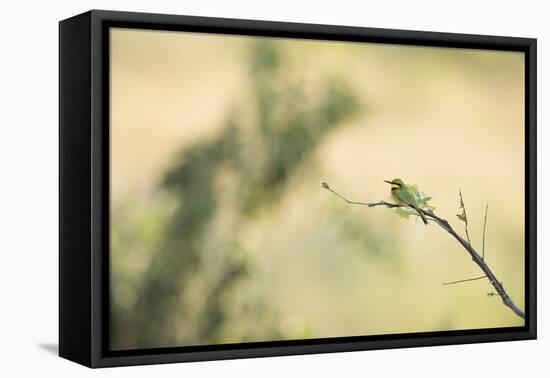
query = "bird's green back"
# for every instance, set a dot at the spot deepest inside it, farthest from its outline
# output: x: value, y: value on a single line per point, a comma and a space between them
x: 406, y: 194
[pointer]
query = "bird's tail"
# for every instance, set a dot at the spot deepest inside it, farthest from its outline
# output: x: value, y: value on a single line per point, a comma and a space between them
x: 421, y: 214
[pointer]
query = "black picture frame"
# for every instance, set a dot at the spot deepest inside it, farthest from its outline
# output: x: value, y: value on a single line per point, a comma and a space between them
x: 84, y: 187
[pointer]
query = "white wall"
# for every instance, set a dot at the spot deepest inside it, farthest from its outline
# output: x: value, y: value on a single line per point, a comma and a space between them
x: 28, y: 171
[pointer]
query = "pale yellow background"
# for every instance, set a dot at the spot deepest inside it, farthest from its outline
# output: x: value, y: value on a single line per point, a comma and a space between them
x: 445, y: 119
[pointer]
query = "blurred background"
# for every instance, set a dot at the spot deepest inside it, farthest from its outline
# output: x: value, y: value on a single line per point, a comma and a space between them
x: 220, y: 230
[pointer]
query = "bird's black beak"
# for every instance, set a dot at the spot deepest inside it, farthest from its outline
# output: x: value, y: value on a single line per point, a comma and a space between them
x: 389, y: 182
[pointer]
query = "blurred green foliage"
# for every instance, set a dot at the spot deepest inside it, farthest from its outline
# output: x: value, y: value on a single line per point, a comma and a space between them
x: 197, y: 287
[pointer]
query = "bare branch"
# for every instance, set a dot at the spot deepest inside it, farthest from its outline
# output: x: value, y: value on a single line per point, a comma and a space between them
x: 384, y: 203
x: 478, y: 260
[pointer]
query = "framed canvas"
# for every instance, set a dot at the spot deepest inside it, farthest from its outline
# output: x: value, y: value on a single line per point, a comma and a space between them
x: 235, y: 188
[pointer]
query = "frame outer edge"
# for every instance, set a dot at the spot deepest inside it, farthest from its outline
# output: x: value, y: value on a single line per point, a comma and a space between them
x: 99, y: 233
x: 74, y: 191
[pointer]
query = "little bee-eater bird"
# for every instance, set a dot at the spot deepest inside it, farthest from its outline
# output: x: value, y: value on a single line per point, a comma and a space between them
x: 403, y: 195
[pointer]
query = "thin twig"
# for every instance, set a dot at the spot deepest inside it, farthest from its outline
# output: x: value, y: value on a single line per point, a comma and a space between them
x: 466, y: 280
x: 325, y: 185
x: 467, y: 246
x: 484, y: 226
x: 465, y: 217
